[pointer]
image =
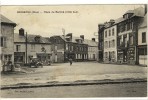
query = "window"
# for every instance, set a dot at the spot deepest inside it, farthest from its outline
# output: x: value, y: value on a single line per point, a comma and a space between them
x: 109, y: 32
x: 128, y: 26
x: 3, y: 41
x: 105, y: 33
x: 18, y: 47
x: 113, y: 43
x: 32, y: 47
x: 144, y: 37
x: 131, y: 40
x: 120, y: 39
x: 113, y: 32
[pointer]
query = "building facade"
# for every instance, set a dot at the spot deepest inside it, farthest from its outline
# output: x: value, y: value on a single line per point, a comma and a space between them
x: 34, y: 46
x: 92, y: 49
x: 69, y: 47
x: 7, y: 39
x: 127, y: 30
x: 110, y: 42
x: 100, y: 42
x: 142, y: 42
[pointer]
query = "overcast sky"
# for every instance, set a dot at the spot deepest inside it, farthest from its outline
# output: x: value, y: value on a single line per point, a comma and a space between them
x: 83, y: 22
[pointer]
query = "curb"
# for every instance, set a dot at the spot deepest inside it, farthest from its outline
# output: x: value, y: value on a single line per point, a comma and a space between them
x: 75, y: 83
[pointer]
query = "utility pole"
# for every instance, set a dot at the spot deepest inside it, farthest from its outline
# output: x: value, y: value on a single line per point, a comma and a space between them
x: 63, y: 30
x: 26, y: 47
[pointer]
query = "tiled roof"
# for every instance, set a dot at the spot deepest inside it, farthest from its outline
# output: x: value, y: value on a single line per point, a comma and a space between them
x: 30, y: 38
x: 90, y: 42
x: 6, y: 20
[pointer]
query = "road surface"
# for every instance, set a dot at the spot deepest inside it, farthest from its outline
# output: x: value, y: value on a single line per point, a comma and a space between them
x: 105, y: 90
x: 78, y: 71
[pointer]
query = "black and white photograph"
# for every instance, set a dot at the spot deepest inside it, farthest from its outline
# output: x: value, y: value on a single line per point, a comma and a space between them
x: 73, y: 51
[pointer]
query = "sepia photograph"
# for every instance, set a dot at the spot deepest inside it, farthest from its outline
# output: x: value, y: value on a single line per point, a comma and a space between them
x: 73, y: 51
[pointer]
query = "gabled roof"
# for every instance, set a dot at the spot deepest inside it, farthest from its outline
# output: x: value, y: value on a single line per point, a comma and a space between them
x: 3, y: 19
x: 30, y: 38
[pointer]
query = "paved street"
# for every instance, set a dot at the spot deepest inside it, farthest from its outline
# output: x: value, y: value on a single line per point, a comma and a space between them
x: 106, y: 90
x: 78, y: 71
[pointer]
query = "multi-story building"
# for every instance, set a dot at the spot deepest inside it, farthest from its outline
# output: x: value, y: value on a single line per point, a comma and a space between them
x: 110, y: 42
x: 66, y: 47
x: 92, y: 49
x: 100, y: 42
x: 7, y: 39
x: 142, y: 42
x: 27, y: 46
x: 127, y: 30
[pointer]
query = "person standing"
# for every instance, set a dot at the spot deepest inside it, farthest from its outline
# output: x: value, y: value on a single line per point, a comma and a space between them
x: 70, y: 60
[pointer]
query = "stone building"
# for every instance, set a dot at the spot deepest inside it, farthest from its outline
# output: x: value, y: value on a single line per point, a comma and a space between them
x: 7, y: 39
x: 31, y: 46
x: 65, y: 47
x: 127, y: 30
x: 92, y: 49
x: 110, y: 42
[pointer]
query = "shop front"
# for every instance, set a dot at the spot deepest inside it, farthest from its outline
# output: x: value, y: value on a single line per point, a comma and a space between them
x: 142, y: 55
x: 19, y: 57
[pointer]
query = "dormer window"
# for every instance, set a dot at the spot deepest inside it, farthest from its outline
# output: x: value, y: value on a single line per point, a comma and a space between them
x: 128, y: 14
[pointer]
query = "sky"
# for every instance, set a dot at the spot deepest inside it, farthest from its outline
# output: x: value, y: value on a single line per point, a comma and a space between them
x: 50, y: 19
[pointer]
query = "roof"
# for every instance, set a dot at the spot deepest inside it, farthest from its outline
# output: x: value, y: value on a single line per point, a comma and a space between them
x: 86, y: 41
x: 30, y: 38
x: 6, y: 20
x: 90, y: 42
x: 144, y: 22
x: 130, y: 11
x: 139, y: 12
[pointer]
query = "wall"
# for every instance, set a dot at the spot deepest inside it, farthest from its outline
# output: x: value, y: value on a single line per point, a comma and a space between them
x: 8, y: 32
x: 144, y: 29
x: 109, y: 38
x: 92, y: 50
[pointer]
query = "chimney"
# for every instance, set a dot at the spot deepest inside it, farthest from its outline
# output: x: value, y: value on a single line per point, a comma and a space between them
x: 112, y: 21
x: 93, y: 39
x: 82, y: 37
x: 69, y: 34
x: 21, y: 32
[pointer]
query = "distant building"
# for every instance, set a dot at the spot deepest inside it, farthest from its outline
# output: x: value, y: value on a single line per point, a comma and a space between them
x: 127, y: 30
x: 34, y: 46
x: 68, y: 47
x: 92, y: 49
x: 110, y: 42
x: 100, y: 42
x: 7, y: 39
x: 57, y: 48
x: 142, y: 42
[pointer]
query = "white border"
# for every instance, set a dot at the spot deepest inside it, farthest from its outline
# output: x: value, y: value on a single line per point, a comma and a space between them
x: 57, y: 2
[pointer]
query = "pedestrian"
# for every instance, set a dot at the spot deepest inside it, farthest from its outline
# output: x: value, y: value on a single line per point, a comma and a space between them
x: 70, y: 60
x: 9, y: 63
